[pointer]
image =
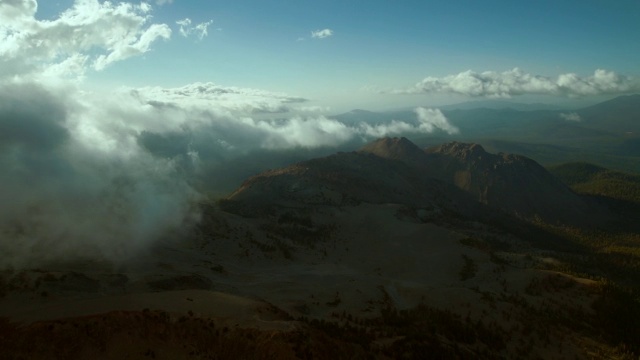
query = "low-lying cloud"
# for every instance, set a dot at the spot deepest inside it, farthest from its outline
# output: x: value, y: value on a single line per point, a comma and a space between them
x: 428, y: 121
x: 65, y: 198
x: 575, y: 117
x: 432, y: 119
x: 227, y: 116
x: 75, y: 182
x: 517, y: 82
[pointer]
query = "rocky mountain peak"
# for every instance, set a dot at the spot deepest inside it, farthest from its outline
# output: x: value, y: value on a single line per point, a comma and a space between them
x: 460, y: 150
x: 396, y: 148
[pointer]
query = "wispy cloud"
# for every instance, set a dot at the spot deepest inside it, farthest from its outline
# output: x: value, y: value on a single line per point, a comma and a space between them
x: 199, y: 31
x: 322, y: 34
x: 571, y: 117
x: 314, y: 109
x: 517, y: 82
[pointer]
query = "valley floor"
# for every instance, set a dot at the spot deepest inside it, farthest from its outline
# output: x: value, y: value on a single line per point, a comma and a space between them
x: 370, y: 279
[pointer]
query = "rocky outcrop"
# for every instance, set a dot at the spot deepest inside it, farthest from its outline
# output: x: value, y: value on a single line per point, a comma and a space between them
x: 513, y: 183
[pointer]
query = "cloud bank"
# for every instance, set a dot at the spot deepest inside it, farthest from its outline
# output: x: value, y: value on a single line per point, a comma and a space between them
x: 517, y: 82
x: 216, y: 98
x: 227, y: 116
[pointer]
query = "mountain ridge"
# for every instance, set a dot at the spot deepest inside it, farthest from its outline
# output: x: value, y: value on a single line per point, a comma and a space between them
x: 454, y: 176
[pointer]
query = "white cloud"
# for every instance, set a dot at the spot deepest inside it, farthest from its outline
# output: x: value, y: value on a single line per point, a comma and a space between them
x: 17, y: 11
x: 184, y: 24
x: 322, y: 34
x: 199, y: 31
x: 136, y: 46
x: 302, y: 132
x: 431, y: 119
x: 163, y: 2
x: 233, y: 116
x: 571, y: 117
x: 89, y: 34
x: 212, y: 97
x: 517, y: 82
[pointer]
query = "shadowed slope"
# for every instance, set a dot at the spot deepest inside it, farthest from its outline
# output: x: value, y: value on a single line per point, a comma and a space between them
x: 509, y: 182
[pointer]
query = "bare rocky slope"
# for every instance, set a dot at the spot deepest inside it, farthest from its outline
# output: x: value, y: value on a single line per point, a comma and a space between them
x: 513, y: 183
x: 394, y: 170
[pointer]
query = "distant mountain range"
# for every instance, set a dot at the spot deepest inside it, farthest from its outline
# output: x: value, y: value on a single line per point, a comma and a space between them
x: 503, y: 104
x: 617, y: 117
x: 621, y: 115
x: 606, y: 134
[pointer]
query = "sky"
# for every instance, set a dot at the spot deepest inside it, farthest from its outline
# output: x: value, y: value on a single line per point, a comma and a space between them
x: 114, y: 114
x: 367, y: 53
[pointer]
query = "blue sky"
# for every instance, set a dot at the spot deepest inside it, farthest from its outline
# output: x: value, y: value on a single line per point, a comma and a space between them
x: 378, y: 45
